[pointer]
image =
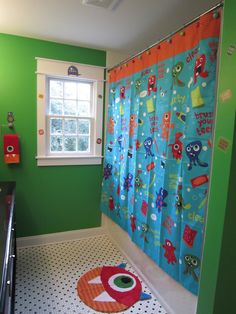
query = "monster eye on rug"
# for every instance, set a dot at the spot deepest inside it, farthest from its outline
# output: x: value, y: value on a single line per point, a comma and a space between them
x: 110, y: 289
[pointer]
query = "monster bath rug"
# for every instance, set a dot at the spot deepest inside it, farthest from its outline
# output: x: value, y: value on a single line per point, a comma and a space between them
x: 110, y: 289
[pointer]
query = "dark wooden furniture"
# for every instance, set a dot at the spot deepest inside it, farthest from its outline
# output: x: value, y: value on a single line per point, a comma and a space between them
x: 7, y: 247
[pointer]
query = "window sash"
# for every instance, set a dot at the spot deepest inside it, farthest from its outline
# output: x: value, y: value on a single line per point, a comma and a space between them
x: 77, y: 152
x: 64, y: 80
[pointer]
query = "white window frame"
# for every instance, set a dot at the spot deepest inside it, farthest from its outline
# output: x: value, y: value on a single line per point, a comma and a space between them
x: 47, y: 68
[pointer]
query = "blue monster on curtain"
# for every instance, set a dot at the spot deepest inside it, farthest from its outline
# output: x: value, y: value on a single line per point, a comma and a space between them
x: 158, y: 149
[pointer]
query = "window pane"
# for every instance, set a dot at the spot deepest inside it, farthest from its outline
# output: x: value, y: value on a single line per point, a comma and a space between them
x: 70, y: 107
x: 56, y: 126
x: 55, y: 106
x: 84, y: 91
x: 83, y: 143
x: 84, y: 108
x: 83, y: 126
x: 70, y: 90
x: 56, y: 144
x: 69, y: 143
x: 56, y: 89
x: 70, y: 126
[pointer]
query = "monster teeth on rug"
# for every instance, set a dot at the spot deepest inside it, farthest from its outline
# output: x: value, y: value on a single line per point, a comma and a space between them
x: 46, y: 277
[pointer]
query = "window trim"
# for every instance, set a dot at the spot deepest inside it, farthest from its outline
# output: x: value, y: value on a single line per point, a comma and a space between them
x: 48, y: 68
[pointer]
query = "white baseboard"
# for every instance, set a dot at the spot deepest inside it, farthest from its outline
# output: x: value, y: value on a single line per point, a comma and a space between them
x: 175, y: 298
x: 59, y: 237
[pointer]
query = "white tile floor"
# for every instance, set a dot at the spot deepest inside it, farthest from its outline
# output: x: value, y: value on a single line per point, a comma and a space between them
x: 46, y: 277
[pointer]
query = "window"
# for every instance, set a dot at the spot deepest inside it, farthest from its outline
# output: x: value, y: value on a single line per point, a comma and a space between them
x: 69, y: 113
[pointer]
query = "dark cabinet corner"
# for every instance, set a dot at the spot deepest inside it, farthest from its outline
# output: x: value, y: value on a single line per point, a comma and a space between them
x: 7, y: 247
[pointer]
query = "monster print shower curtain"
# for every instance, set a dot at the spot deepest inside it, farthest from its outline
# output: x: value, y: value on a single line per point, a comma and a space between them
x: 158, y: 147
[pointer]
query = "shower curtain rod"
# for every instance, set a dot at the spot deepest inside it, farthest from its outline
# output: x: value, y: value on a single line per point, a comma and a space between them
x: 166, y: 37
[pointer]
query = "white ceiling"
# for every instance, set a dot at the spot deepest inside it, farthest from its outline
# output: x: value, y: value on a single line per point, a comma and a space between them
x: 132, y: 26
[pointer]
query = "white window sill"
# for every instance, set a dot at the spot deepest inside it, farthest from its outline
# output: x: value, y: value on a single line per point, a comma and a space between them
x: 68, y: 160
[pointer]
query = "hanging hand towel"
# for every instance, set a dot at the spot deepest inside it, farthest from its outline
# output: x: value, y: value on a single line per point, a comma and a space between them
x: 11, y: 149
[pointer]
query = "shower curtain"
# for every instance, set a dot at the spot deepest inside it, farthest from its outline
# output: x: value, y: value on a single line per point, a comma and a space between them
x: 158, y: 147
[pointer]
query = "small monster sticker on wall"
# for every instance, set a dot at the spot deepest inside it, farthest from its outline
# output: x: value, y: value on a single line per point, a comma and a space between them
x: 73, y: 71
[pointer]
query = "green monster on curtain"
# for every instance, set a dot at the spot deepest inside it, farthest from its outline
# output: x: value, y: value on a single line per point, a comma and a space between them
x: 158, y: 147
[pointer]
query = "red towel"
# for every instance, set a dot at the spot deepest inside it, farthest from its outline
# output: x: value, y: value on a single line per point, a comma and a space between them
x: 11, y: 149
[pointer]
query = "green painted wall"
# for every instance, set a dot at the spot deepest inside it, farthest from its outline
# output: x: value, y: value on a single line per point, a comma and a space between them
x: 49, y: 199
x: 218, y: 279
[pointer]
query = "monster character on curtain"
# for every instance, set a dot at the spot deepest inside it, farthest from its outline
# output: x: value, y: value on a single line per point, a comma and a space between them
x: 158, y: 147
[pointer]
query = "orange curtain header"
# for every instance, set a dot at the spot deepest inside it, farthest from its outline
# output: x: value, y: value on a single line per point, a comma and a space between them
x: 208, y: 25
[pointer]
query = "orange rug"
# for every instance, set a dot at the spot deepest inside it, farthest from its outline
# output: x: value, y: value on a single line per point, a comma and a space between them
x: 110, y: 289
